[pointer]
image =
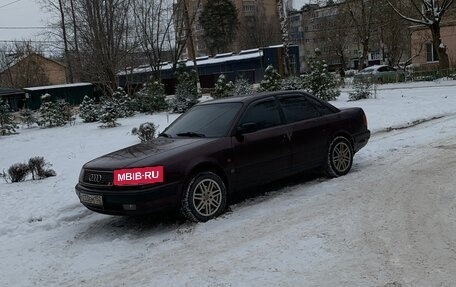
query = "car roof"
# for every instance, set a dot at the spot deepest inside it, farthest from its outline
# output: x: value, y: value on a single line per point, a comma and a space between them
x: 253, y: 97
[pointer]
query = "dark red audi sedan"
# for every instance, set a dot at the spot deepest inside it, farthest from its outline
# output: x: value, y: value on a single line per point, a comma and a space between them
x: 220, y: 147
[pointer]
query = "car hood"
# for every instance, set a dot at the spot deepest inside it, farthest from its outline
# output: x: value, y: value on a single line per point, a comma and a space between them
x: 152, y: 152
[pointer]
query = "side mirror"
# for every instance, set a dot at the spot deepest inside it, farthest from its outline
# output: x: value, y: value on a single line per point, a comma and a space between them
x: 246, y: 128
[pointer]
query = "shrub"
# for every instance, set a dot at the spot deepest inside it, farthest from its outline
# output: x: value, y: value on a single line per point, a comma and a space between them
x: 242, y: 87
x: 54, y: 114
x: 319, y: 81
x: 222, y: 89
x: 27, y: 117
x: 108, y: 115
x: 145, y: 132
x: 39, y: 168
x: 88, y: 110
x: 291, y: 84
x: 7, y: 125
x: 122, y: 103
x: 186, y: 93
x: 362, y: 89
x: 18, y: 172
x: 271, y: 81
x: 151, y: 98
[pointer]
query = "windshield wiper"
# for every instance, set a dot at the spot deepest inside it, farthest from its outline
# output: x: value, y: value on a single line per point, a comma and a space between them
x: 164, y: 135
x: 191, y: 134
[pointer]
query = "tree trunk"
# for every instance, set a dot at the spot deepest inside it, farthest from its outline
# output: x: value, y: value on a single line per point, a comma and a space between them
x: 444, y: 62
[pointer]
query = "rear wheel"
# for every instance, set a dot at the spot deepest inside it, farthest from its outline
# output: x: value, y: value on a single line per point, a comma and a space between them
x: 340, y: 157
x: 204, y: 197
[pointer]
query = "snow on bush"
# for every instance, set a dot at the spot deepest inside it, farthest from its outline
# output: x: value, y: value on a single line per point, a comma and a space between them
x: 186, y: 93
x: 123, y: 103
x: 242, y: 87
x: 362, y: 89
x: 222, y: 88
x: 28, y: 117
x: 319, y: 81
x: 145, y: 132
x: 7, y: 124
x: 291, y: 84
x: 271, y: 81
x: 89, y: 110
x: 54, y: 114
x: 151, y: 98
x: 108, y: 114
x: 37, y: 166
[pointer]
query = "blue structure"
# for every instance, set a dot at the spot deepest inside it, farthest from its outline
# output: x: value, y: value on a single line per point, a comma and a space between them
x: 248, y: 64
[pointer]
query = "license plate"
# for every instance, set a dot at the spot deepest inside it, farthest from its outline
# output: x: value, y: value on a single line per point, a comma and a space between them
x: 91, y: 199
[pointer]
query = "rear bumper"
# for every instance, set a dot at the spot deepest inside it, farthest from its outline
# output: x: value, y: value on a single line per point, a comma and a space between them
x: 360, y: 140
x: 131, y: 202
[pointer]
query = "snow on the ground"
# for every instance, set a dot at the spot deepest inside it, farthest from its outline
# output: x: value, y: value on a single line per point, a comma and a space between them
x: 391, y: 220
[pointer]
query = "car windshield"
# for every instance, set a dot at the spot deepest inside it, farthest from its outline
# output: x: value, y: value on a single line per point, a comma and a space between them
x: 208, y: 120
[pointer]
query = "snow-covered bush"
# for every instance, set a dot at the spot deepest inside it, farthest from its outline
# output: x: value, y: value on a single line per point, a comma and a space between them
x: 89, y: 110
x: 28, y: 117
x: 362, y: 89
x: 123, y: 103
x: 54, y: 114
x: 222, y: 88
x: 271, y: 81
x: 319, y: 81
x: 7, y: 125
x: 242, y: 87
x: 291, y: 84
x: 186, y: 93
x: 18, y: 172
x: 151, y: 98
x: 108, y: 114
x: 39, y: 168
x: 145, y: 132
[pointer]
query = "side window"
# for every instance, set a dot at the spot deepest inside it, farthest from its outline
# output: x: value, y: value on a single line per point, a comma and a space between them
x: 321, y: 108
x: 383, y: 69
x: 264, y: 114
x: 298, y: 108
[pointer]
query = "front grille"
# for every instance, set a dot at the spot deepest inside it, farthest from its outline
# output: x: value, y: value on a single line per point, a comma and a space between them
x: 96, y: 177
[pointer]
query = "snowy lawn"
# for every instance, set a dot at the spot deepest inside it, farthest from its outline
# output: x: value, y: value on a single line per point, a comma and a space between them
x: 47, y: 238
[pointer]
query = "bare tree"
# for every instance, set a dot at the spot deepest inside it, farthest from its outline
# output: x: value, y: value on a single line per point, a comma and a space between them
x: 430, y: 14
x: 284, y: 30
x: 362, y: 14
x: 153, y: 22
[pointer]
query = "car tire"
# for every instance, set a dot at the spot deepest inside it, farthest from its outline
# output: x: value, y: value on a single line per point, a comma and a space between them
x: 204, y: 197
x: 340, y: 157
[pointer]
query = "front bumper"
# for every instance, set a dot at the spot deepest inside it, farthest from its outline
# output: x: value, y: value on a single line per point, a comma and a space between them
x: 132, y: 201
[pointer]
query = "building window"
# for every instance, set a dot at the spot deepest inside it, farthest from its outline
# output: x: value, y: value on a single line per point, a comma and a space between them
x: 431, y: 54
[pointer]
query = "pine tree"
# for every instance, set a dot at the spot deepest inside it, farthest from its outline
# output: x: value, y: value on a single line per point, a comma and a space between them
x: 320, y: 82
x: 28, y: 117
x: 122, y: 103
x: 222, y: 89
x: 109, y: 114
x: 271, y: 81
x: 7, y: 125
x: 291, y: 84
x: 151, y: 98
x: 242, y: 87
x: 186, y: 89
x: 54, y: 114
x: 88, y: 110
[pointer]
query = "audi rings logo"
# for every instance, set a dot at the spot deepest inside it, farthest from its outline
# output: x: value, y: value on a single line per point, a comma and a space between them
x: 94, y: 177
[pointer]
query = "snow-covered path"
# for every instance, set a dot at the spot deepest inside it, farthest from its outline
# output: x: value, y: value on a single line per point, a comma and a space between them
x: 392, y: 219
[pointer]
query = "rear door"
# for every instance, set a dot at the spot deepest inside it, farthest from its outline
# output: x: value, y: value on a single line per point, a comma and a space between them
x: 264, y: 154
x: 309, y: 123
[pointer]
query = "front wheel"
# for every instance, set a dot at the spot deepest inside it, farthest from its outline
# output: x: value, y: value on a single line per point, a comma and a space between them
x: 204, y: 197
x: 340, y: 157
